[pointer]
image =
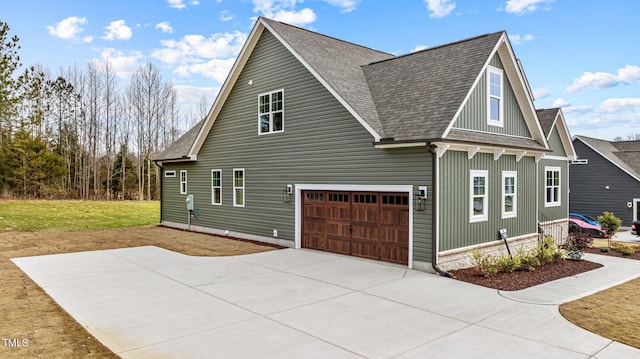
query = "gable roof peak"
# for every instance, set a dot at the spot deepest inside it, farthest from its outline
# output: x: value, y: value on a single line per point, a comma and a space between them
x: 313, y: 33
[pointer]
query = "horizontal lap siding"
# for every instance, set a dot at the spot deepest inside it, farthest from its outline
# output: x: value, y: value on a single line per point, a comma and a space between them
x: 321, y: 144
x: 455, y: 229
x: 588, y: 186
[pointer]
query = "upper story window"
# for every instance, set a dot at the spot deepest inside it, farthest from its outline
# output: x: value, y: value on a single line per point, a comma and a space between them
x: 509, y: 194
x: 495, y: 102
x: 170, y: 174
x: 478, y: 206
x: 552, y: 186
x: 183, y: 182
x: 271, y: 112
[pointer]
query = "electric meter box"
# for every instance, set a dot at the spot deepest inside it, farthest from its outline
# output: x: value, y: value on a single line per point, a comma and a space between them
x: 189, y: 202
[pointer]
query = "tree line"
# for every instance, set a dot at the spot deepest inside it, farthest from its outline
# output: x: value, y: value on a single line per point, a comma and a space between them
x: 78, y: 134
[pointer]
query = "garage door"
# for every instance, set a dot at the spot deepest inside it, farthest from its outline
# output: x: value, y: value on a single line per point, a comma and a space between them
x: 365, y: 224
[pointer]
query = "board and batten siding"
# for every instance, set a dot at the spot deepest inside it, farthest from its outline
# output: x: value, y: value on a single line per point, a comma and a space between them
x: 588, y: 186
x: 474, y: 113
x: 456, y: 231
x: 557, y: 212
x: 555, y: 144
x: 322, y: 144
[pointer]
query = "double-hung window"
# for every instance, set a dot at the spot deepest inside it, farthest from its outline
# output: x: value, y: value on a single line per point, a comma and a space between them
x: 238, y: 187
x: 478, y: 204
x: 216, y: 187
x: 271, y: 112
x: 509, y: 194
x: 552, y: 186
x: 183, y: 182
x: 495, y: 90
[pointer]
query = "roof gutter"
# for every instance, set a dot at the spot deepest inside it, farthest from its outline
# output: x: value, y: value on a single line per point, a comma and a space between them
x: 434, y: 213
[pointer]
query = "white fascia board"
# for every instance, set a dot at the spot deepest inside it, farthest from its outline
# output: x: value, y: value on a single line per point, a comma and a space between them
x: 608, y: 159
x: 561, y: 125
x: 230, y: 81
x: 324, y: 83
x: 525, y: 101
x: 400, y: 145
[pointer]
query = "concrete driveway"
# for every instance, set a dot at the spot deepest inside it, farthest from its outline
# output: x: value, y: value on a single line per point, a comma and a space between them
x: 148, y: 302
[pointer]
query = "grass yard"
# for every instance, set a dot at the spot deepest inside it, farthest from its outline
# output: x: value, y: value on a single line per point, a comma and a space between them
x: 76, y: 215
x: 29, y: 228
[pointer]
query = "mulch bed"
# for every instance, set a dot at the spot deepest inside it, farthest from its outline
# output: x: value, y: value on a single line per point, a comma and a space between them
x: 518, y: 280
x: 613, y: 252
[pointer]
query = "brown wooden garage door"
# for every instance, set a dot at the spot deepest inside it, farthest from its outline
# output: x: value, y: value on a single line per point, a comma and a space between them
x: 365, y: 224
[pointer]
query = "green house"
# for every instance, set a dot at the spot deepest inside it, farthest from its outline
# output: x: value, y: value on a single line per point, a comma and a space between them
x: 314, y: 142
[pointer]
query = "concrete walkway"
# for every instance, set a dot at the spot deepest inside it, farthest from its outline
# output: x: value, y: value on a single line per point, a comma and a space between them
x: 147, y: 302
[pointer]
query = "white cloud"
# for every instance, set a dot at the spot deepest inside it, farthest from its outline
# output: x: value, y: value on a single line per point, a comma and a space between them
x: 560, y: 102
x: 519, y: 39
x: 225, y: 15
x: 345, y: 5
x: 577, y: 109
x: 177, y: 4
x: 284, y: 10
x: 598, y: 80
x: 67, y: 28
x: 123, y: 64
x: 522, y: 7
x: 215, y: 69
x: 118, y: 30
x: 196, y: 48
x: 615, y: 105
x: 440, y: 8
x: 420, y: 48
x: 193, y: 94
x: 298, y: 18
x: 87, y: 39
x: 541, y: 92
x: 164, y: 27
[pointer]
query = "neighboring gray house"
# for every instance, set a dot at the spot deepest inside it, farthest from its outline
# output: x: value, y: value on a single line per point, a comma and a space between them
x: 553, y: 174
x: 314, y: 142
x: 606, y: 177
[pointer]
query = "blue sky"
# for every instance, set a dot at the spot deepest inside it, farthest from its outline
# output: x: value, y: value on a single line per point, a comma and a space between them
x: 582, y: 56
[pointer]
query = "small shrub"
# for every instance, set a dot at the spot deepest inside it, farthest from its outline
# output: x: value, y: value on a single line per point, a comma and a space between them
x: 577, y: 243
x: 627, y: 251
x: 609, y: 222
x: 485, y: 263
x: 604, y: 249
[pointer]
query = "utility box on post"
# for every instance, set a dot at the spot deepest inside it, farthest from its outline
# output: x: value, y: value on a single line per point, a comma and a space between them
x: 190, y: 202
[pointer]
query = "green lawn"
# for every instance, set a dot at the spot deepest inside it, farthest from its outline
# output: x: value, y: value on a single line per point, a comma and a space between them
x: 21, y: 215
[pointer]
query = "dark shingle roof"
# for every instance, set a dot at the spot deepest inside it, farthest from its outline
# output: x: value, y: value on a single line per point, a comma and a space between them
x: 180, y: 148
x: 547, y: 117
x: 417, y: 95
x: 339, y: 63
x: 624, y: 154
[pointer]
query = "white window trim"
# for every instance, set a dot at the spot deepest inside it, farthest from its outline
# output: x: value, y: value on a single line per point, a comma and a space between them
x: 183, y: 182
x: 514, y: 212
x: 244, y: 193
x: 213, y: 200
x: 170, y: 173
x: 260, y: 133
x: 490, y: 122
x: 485, y: 215
x: 558, y: 201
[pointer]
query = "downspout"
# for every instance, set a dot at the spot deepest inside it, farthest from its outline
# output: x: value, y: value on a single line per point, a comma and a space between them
x: 159, y: 164
x: 434, y: 214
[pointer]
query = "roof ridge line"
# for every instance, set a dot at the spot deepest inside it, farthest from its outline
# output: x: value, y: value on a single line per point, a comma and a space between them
x: 329, y: 37
x: 441, y: 46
